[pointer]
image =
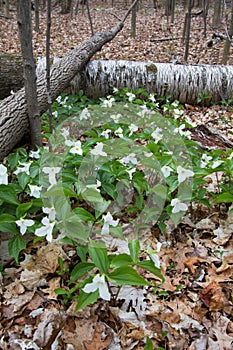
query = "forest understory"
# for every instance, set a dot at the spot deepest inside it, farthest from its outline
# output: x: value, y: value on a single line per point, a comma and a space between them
x: 193, y: 308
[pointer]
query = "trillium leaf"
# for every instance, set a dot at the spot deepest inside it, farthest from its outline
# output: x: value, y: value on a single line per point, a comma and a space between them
x: 80, y: 270
x: 8, y: 195
x: 134, y: 248
x: 86, y: 299
x: 126, y: 275
x: 225, y: 197
x: 22, y: 209
x: 150, y: 266
x: 121, y: 260
x: 98, y: 254
x: 15, y: 245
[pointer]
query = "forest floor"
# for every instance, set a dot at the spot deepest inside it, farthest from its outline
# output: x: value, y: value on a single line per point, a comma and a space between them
x: 193, y: 309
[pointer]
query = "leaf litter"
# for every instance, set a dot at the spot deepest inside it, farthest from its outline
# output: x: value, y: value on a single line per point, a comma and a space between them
x: 192, y: 309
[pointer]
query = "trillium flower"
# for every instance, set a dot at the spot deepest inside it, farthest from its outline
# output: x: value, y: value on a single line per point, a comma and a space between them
x: 98, y: 150
x: 115, y: 117
x: 108, y: 102
x: 154, y: 256
x: 55, y: 114
x: 178, y: 113
x: 130, y: 172
x: 166, y: 170
x: 205, y: 159
x: 183, y: 173
x: 132, y: 128
x: 65, y: 132
x: 50, y: 211
x: 46, y: 230
x: 108, y: 221
x: 152, y: 98
x: 100, y: 284
x: 106, y: 133
x: 23, y: 169
x: 77, y: 148
x: 129, y: 159
x: 130, y: 96
x: 85, y: 114
x: 216, y: 164
x: 157, y: 136
x: 3, y: 175
x: 181, y: 131
x: 24, y: 224
x: 51, y: 171
x: 35, y: 154
x: 230, y: 156
x: 119, y: 132
x: 178, y: 206
x: 35, y: 191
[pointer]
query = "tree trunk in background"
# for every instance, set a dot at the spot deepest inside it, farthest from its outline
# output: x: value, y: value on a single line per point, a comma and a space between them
x: 25, y: 35
x: 133, y: 22
x: 13, y: 110
x: 217, y: 13
x: 11, y: 73
x: 228, y: 41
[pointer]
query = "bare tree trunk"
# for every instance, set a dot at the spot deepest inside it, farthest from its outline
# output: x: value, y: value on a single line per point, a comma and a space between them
x: 25, y: 35
x: 187, y: 30
x: 228, y: 41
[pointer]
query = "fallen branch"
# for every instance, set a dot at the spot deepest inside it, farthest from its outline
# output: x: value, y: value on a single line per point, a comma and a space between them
x: 166, y: 39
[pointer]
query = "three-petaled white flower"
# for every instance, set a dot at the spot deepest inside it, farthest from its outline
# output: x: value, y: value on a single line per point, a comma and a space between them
x: 24, y: 224
x: 119, y: 132
x: 130, y: 158
x: 178, y: 206
x: 65, y: 132
x: 77, y: 148
x: 205, y: 159
x: 132, y: 128
x: 23, y: 169
x: 130, y: 172
x: 166, y: 170
x: 3, y: 175
x: 157, y: 136
x: 85, y: 114
x: 115, y: 117
x: 154, y: 256
x: 108, y: 221
x: 181, y: 130
x: 46, y: 230
x: 106, y: 133
x: 216, y: 163
x: 100, y: 284
x: 108, y: 102
x: 50, y: 211
x: 183, y: 174
x: 98, y: 150
x: 178, y: 113
x: 51, y: 171
x: 130, y: 96
x: 35, y: 154
x: 35, y: 191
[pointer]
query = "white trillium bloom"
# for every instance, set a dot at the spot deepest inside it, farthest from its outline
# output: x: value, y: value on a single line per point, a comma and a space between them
x: 108, y: 221
x: 46, y: 230
x: 3, y: 175
x: 23, y: 169
x: 130, y: 96
x: 84, y: 114
x: 51, y: 171
x: 157, y: 136
x: 106, y: 133
x: 178, y: 113
x: 115, y: 117
x: 100, y: 284
x: 109, y: 102
x: 98, y: 150
x: 166, y: 170
x: 130, y: 172
x: 183, y: 173
x: 65, y: 132
x: 129, y: 159
x: 132, y: 128
x: 178, y: 206
x: 35, y: 154
x: 50, y: 211
x: 35, y: 191
x: 77, y: 148
x: 216, y: 164
x: 119, y: 132
x: 24, y: 224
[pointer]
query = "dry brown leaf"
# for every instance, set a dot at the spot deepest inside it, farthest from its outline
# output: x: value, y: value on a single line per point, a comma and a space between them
x: 212, y: 296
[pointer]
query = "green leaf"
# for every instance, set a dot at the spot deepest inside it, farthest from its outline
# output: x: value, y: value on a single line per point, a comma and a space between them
x: 225, y: 197
x: 98, y: 254
x: 23, y: 180
x: 121, y: 260
x: 110, y: 189
x: 15, y: 245
x: 61, y: 190
x: 150, y: 266
x: 7, y: 223
x: 126, y: 275
x: 79, y: 270
x: 149, y: 344
x: 61, y: 291
x: 74, y: 229
x: 8, y: 195
x: 134, y: 248
x: 83, y: 214
x: 22, y: 209
x: 86, y: 299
